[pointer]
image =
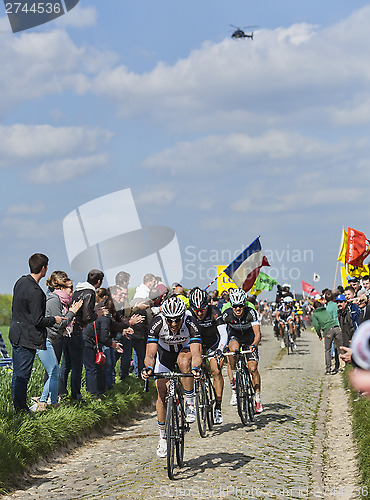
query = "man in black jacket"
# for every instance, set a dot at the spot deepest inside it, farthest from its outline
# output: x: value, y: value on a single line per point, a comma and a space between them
x: 73, y: 346
x: 28, y: 326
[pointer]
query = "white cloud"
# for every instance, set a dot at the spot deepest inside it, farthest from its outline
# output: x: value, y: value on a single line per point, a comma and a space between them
x: 286, y: 75
x: 24, y: 209
x: 155, y: 197
x: 78, y: 17
x: 32, y: 142
x: 24, y: 228
x: 66, y: 169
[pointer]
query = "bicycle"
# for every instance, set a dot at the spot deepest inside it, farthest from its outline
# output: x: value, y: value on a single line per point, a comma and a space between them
x: 288, y: 339
x: 245, y: 395
x: 205, y: 399
x: 175, y: 423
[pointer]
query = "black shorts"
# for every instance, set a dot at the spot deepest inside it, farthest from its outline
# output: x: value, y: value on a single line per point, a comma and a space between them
x: 166, y: 360
x: 245, y: 341
x: 210, y: 344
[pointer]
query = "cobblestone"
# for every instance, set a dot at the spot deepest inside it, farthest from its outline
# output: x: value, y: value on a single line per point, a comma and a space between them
x: 270, y: 459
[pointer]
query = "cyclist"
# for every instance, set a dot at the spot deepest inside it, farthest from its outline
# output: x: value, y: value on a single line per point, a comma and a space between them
x: 286, y: 314
x: 173, y: 337
x: 244, y: 331
x: 214, y: 339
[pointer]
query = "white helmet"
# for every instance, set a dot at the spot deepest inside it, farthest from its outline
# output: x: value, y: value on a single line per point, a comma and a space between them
x: 173, y: 307
x: 288, y: 300
x: 286, y: 285
x: 237, y: 297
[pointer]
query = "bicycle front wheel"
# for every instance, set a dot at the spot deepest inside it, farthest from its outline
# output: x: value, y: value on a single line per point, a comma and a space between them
x: 251, y: 400
x: 211, y: 402
x: 286, y: 340
x: 201, y: 408
x: 241, y: 397
x: 180, y: 427
x: 170, y: 434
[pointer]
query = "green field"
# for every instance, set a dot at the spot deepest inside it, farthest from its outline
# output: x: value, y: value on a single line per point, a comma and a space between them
x: 5, y: 333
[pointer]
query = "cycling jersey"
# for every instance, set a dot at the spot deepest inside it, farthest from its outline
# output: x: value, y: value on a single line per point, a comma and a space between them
x: 160, y: 333
x: 241, y: 329
x: 213, y: 329
x: 285, y: 312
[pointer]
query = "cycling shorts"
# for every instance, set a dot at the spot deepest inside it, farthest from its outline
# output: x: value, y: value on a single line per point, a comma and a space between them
x: 251, y: 356
x: 166, y: 360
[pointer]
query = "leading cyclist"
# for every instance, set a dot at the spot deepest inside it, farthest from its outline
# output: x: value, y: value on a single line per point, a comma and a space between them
x: 174, y: 337
x: 214, y: 339
x: 285, y: 314
x: 244, y: 331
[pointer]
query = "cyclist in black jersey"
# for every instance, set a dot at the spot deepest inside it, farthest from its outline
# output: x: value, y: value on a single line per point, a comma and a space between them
x: 244, y: 330
x: 285, y: 314
x: 173, y: 337
x: 214, y: 339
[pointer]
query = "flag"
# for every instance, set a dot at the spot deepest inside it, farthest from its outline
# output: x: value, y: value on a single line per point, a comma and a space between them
x: 357, y: 247
x: 309, y: 289
x: 316, y: 277
x: 353, y: 271
x: 264, y: 282
x: 343, y: 248
x: 245, y: 268
x: 343, y: 270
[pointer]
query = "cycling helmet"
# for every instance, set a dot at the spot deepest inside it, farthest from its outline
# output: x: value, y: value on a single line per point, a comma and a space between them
x: 198, y: 298
x: 288, y: 300
x: 286, y: 285
x: 237, y: 297
x: 173, y: 307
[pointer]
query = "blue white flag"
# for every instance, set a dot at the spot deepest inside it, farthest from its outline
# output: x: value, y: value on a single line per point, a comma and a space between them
x: 245, y: 268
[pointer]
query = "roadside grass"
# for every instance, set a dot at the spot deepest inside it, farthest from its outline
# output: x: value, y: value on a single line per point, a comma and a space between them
x: 24, y: 438
x: 360, y: 407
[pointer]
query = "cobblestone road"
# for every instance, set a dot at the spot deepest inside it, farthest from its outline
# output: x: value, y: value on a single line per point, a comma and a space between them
x: 273, y: 458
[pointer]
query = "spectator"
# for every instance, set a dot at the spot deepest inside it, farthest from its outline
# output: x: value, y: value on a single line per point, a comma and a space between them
x: 95, y: 374
x: 345, y: 319
x: 27, y: 331
x: 73, y: 345
x: 143, y: 290
x: 332, y: 309
x: 349, y: 293
x: 364, y: 305
x: 57, y: 303
x: 323, y: 323
x: 366, y: 284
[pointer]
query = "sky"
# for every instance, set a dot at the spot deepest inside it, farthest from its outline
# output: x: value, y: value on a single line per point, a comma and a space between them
x: 221, y: 140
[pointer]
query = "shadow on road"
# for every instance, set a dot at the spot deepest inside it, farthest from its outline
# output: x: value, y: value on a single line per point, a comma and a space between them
x: 269, y: 415
x: 228, y: 461
x: 277, y: 368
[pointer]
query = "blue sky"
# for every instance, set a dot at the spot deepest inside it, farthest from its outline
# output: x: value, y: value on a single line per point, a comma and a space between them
x: 222, y: 140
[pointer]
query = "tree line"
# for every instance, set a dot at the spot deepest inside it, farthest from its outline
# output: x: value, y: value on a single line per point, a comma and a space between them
x: 5, y: 309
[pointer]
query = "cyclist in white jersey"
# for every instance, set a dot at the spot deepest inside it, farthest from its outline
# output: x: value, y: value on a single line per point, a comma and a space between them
x: 174, y: 338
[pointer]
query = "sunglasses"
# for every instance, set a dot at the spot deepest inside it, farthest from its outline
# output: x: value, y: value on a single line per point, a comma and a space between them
x: 238, y: 307
x: 174, y: 320
x: 200, y: 310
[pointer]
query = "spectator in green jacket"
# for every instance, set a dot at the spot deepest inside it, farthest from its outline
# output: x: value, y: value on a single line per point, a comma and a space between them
x: 328, y: 328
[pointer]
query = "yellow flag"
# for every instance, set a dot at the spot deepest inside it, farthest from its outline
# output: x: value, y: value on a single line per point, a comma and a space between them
x: 254, y: 291
x: 343, y: 248
x: 223, y: 281
x: 344, y: 276
x: 354, y: 272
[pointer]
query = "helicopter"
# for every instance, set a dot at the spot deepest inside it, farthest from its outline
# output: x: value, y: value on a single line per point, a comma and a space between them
x: 240, y: 33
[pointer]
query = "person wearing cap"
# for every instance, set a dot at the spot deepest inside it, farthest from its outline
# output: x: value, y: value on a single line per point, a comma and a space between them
x: 328, y: 328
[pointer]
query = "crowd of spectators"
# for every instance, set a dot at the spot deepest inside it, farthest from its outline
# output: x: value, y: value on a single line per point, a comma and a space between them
x: 66, y: 327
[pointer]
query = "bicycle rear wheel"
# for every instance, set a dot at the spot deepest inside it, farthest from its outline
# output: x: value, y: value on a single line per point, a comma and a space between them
x: 180, y: 426
x: 241, y: 397
x: 211, y: 396
x: 201, y: 408
x: 170, y: 434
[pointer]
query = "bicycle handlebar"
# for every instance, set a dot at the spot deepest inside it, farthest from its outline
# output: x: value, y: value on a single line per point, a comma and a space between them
x: 168, y: 375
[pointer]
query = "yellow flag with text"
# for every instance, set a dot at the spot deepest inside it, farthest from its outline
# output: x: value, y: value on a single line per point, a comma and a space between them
x: 224, y: 282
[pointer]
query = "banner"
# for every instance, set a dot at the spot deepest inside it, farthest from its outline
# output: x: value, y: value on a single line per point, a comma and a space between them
x: 224, y: 282
x: 357, y: 247
x: 355, y: 272
x: 343, y: 270
x: 309, y: 289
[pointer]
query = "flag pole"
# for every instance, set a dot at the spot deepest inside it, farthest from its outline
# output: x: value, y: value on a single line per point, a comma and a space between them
x: 336, y: 271
x: 340, y: 248
x: 214, y: 280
